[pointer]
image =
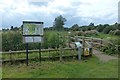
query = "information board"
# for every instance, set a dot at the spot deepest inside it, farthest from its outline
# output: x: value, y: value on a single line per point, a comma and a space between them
x: 29, y: 39
x: 32, y: 31
x: 32, y: 28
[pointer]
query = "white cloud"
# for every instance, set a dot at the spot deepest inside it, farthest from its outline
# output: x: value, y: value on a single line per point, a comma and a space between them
x: 84, y: 10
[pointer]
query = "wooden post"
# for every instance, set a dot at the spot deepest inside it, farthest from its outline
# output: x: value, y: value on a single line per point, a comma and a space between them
x: 101, y: 43
x: 27, y: 54
x: 40, y: 52
x: 49, y: 53
x: 10, y: 56
x: 92, y: 47
x: 73, y: 51
x: 60, y: 53
x: 83, y: 48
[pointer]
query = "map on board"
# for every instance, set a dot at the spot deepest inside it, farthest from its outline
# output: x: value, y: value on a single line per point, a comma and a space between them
x: 32, y: 29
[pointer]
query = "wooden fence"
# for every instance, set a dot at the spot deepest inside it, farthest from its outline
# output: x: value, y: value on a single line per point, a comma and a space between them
x: 96, y: 42
x: 11, y: 53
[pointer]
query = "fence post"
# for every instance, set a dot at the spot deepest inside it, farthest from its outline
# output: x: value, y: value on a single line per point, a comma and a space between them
x: 73, y: 51
x: 10, y: 56
x: 92, y: 46
x: 101, y: 43
x: 60, y: 53
x: 27, y: 54
x: 40, y: 52
x: 83, y: 48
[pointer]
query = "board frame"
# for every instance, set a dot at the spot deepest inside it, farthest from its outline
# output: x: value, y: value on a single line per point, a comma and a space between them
x: 33, y: 36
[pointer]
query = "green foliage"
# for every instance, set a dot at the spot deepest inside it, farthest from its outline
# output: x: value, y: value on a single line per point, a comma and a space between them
x: 117, y: 33
x: 109, y: 49
x: 107, y: 29
x: 112, y: 47
x: 75, y: 27
x: 59, y: 22
x: 53, y: 39
x: 117, y: 26
x: 111, y: 32
x: 84, y: 29
x: 100, y: 28
x: 12, y: 40
x: 90, y: 33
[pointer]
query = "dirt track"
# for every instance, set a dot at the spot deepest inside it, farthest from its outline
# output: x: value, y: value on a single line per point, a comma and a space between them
x: 103, y: 57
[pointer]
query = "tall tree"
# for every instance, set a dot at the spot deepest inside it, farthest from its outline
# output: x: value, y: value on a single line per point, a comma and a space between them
x: 11, y: 28
x: 91, y: 24
x: 75, y: 27
x: 59, y: 22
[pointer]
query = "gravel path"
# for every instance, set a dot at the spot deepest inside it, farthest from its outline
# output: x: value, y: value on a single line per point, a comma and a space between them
x: 103, y: 57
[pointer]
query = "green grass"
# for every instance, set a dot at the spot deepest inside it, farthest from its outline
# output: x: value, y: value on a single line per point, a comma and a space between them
x: 93, y: 68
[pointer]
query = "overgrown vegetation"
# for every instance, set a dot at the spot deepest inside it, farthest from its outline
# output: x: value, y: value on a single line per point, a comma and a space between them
x: 113, y: 47
x: 12, y: 40
x: 58, y: 35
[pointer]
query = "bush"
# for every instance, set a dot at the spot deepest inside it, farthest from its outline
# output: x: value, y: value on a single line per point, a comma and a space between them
x: 79, y: 33
x: 107, y: 29
x: 117, y: 33
x: 12, y: 40
x: 53, y: 40
x: 111, y: 48
x: 100, y: 28
x: 111, y: 32
x: 91, y: 33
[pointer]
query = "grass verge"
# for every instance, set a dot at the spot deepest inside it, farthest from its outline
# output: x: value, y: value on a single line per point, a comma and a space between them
x: 92, y: 68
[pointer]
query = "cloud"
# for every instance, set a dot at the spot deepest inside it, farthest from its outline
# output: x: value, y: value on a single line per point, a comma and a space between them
x: 82, y: 12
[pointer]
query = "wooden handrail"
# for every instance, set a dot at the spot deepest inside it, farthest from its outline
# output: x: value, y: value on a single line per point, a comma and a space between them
x: 42, y: 50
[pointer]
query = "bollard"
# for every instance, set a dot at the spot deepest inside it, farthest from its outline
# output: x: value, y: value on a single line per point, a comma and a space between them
x: 79, y: 53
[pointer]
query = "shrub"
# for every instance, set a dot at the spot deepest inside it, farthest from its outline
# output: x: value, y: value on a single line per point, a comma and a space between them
x: 79, y: 33
x: 111, y: 32
x: 107, y: 29
x: 111, y: 48
x: 92, y: 32
x: 100, y: 28
x: 117, y: 32
x: 53, y: 40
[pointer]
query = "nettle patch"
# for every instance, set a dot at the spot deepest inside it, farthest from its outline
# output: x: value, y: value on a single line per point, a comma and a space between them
x: 111, y: 48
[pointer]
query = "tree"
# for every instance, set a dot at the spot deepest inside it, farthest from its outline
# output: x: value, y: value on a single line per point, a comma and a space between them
x: 11, y: 28
x: 107, y: 29
x: 59, y: 22
x: 100, y: 28
x: 91, y: 24
x: 75, y: 27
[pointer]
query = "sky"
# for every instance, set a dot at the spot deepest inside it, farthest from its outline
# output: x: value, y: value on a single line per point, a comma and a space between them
x: 81, y: 12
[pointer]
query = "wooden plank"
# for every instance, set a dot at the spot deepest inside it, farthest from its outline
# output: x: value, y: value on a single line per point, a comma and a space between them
x: 43, y: 50
x: 43, y: 58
